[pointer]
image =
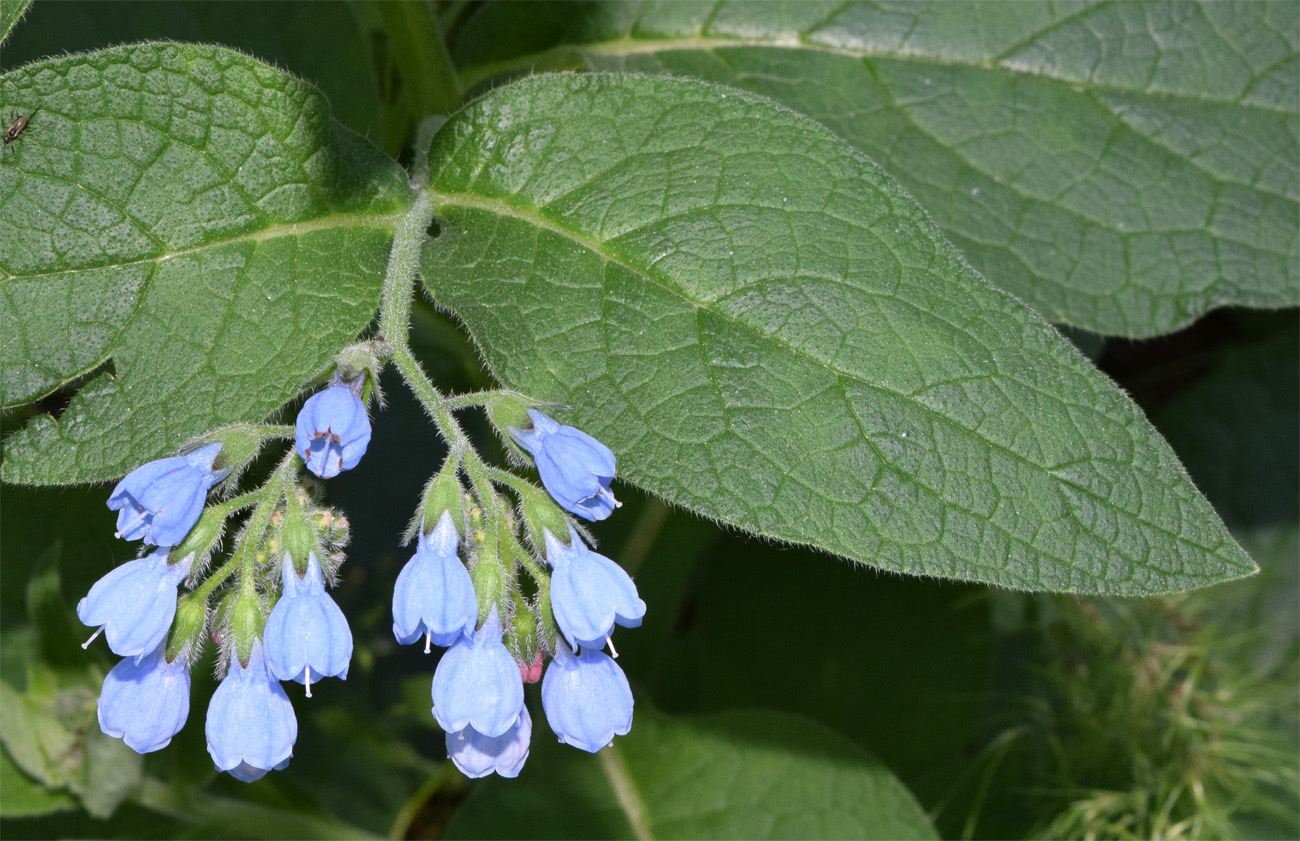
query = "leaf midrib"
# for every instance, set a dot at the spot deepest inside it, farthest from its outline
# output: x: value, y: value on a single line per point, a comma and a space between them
x: 503, y: 208
x: 627, y: 46
x: 323, y: 223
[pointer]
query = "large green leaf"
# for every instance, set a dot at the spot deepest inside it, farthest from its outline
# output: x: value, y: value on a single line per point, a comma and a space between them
x: 322, y: 43
x: 192, y: 219
x: 734, y: 775
x: 1123, y: 167
x: 767, y: 330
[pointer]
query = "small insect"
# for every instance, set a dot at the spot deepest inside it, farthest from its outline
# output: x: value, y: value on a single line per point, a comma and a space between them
x: 17, y: 127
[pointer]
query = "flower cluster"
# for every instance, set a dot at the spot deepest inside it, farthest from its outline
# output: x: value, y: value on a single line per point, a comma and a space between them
x: 478, y: 686
x: 466, y: 589
x: 251, y: 727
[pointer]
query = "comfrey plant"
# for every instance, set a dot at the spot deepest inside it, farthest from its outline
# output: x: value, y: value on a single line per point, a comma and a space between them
x: 273, y: 621
x: 788, y: 268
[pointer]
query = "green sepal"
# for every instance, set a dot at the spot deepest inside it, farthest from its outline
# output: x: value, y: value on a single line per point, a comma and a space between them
x: 187, y: 628
x: 521, y: 637
x: 361, y: 363
x: 203, y: 538
x: 240, y: 444
x: 541, y: 515
x: 297, y: 536
x: 247, y: 620
x: 487, y: 572
x: 508, y: 410
x: 443, y: 493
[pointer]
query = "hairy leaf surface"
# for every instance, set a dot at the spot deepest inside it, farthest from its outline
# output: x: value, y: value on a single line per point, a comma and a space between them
x: 766, y: 329
x: 1123, y: 167
x: 188, y: 225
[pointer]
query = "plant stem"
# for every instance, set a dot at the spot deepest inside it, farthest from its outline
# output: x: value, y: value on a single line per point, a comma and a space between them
x: 417, y: 44
x: 394, y: 325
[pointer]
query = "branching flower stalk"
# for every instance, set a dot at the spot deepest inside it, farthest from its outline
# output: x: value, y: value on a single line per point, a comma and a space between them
x: 461, y: 591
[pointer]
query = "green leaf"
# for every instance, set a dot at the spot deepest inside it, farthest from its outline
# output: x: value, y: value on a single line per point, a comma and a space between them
x: 768, y: 331
x: 36, y: 739
x: 11, y: 11
x: 190, y: 226
x: 1122, y: 167
x: 736, y: 775
x: 322, y: 43
x: 24, y: 796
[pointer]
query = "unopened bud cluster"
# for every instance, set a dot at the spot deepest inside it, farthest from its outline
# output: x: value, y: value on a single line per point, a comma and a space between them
x: 502, y: 587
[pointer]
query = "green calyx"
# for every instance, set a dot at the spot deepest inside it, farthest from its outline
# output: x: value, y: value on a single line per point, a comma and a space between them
x: 247, y: 620
x: 541, y: 515
x: 522, y: 633
x: 240, y: 444
x: 187, y: 628
x: 297, y: 535
x: 443, y: 494
x: 203, y: 538
x: 359, y: 364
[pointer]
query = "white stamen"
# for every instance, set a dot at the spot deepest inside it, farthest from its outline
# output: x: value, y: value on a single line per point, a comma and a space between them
x: 87, y: 643
x: 610, y: 642
x: 428, y: 641
x: 307, y: 682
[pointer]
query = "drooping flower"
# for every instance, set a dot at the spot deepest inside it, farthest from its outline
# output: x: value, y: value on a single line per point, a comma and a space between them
x: 251, y: 727
x: 161, y: 501
x: 434, y: 596
x: 589, y: 592
x: 477, y: 755
x: 575, y: 468
x: 145, y: 700
x: 332, y: 431
x: 477, y: 683
x: 587, y: 698
x: 134, y: 604
x: 307, y: 634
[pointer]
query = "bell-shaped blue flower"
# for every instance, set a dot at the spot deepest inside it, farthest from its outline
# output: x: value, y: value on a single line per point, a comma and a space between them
x: 306, y: 635
x: 586, y: 698
x: 145, y: 700
x: 434, y: 596
x: 575, y: 468
x: 589, y: 592
x: 251, y: 727
x: 332, y: 431
x: 477, y: 755
x: 134, y: 604
x: 477, y: 684
x: 161, y: 501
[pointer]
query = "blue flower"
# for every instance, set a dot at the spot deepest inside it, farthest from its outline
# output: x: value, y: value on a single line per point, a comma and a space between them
x: 251, y: 727
x: 306, y: 633
x: 145, y: 700
x: 586, y: 698
x: 575, y: 468
x: 434, y: 596
x: 134, y: 604
x: 589, y: 593
x: 161, y: 501
x: 477, y: 755
x: 477, y: 684
x: 332, y: 431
